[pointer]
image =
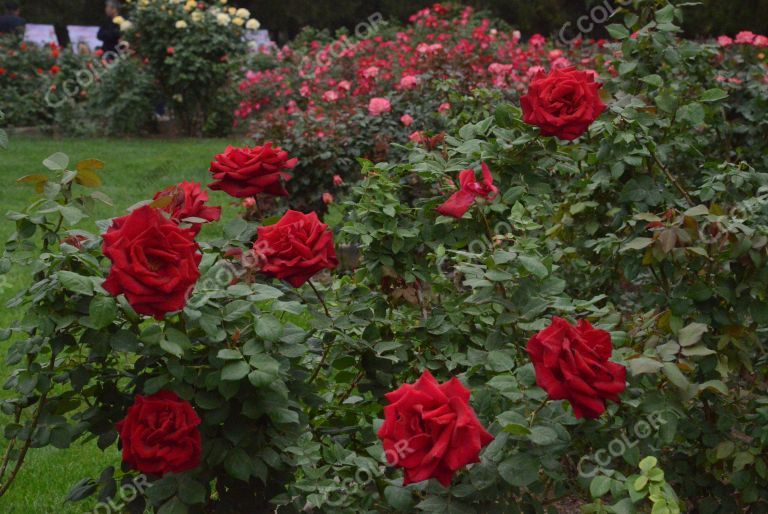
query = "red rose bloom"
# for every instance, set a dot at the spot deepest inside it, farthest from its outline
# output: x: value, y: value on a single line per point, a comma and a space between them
x: 188, y: 201
x: 572, y: 364
x: 154, y: 262
x: 430, y: 430
x: 244, y: 172
x: 563, y: 104
x: 159, y: 435
x: 460, y: 202
x: 295, y: 248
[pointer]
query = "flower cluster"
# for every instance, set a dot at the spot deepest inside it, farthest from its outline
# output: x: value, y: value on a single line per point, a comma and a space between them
x: 355, y: 97
x: 192, y: 13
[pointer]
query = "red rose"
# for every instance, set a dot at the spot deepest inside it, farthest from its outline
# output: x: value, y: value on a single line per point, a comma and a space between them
x: 244, y: 172
x: 430, y: 430
x: 563, y: 104
x: 295, y: 248
x: 154, y: 262
x: 571, y: 363
x: 187, y: 201
x: 460, y: 202
x: 159, y: 435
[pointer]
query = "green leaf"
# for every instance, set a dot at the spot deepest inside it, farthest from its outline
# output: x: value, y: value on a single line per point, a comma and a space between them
x: 235, y: 371
x: 637, y: 244
x: 543, y: 436
x: 520, y: 470
x: 676, y: 376
x: 266, y: 371
x: 171, y: 347
x: 713, y: 95
x: 500, y: 361
x: 653, y: 80
x: 238, y: 464
x: 102, y: 311
x: 398, y: 498
x: 83, y: 489
x: 648, y: 463
x: 600, y: 486
x: 192, y: 492
x: 173, y: 506
x: 533, y: 265
x: 714, y: 386
x: 72, y: 215
x: 265, y: 292
x: 228, y: 354
x: 56, y: 162
x: 640, y: 483
x: 517, y: 429
x: 617, y: 31
x: 75, y: 283
x: 269, y: 328
x: 643, y: 365
x: 692, y: 334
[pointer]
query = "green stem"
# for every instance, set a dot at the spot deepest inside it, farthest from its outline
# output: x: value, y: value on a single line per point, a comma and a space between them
x: 319, y: 297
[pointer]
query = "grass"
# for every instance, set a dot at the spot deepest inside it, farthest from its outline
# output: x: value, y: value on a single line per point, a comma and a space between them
x: 134, y: 171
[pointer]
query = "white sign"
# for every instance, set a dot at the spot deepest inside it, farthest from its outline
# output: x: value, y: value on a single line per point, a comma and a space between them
x: 83, y: 38
x: 40, y: 34
x: 257, y: 39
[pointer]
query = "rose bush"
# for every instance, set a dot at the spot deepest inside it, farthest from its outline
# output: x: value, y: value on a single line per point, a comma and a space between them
x: 589, y: 334
x: 193, y: 49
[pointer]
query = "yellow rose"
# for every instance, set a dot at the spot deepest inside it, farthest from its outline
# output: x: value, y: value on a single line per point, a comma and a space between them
x: 243, y: 13
x: 253, y: 24
x: 238, y: 21
x: 222, y: 19
x: 181, y: 24
x: 118, y: 20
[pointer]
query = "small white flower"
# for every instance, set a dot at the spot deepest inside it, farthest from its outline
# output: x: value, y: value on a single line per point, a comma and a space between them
x: 253, y: 24
x: 243, y: 13
x: 223, y: 19
x: 181, y: 24
x: 126, y: 26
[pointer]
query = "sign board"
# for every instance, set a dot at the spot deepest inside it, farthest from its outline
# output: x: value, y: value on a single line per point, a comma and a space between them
x: 258, y: 39
x: 83, y: 38
x: 40, y: 34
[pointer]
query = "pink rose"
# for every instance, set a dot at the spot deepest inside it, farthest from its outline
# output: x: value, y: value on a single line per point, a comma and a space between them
x: 409, y: 82
x: 745, y: 37
x: 330, y: 96
x: 724, y: 41
x: 760, y: 41
x: 379, y: 106
x: 407, y: 120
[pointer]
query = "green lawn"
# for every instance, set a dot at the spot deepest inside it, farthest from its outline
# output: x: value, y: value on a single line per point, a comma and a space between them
x: 135, y: 170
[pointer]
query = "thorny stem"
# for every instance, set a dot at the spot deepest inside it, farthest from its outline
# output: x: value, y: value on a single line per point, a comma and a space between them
x: 536, y: 412
x: 319, y: 297
x: 672, y: 179
x: 33, y: 424
x: 352, y: 386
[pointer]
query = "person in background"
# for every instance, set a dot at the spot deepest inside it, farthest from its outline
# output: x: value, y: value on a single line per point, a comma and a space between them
x: 109, y: 33
x: 11, y: 21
